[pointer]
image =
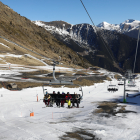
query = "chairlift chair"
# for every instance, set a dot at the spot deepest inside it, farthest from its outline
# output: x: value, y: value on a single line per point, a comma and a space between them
x: 131, y: 87
x: 54, y: 96
x: 121, y: 83
x: 112, y: 88
x: 58, y: 82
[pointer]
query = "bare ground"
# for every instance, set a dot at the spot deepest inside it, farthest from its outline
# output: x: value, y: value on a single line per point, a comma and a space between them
x: 108, y: 109
x: 80, y: 134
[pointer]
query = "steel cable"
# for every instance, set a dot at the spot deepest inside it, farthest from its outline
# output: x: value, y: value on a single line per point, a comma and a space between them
x: 136, y: 49
x: 97, y: 32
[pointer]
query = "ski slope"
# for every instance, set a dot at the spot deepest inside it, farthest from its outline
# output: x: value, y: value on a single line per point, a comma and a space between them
x: 51, y: 123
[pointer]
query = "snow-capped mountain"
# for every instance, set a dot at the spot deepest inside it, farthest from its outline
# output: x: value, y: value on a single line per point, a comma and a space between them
x: 59, y: 29
x: 124, y: 27
x: 87, y: 41
x: 129, y: 27
x: 108, y: 26
x: 80, y: 33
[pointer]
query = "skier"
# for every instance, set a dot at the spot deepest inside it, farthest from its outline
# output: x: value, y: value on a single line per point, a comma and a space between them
x: 58, y: 99
x: 48, y: 98
x: 75, y: 99
x: 68, y: 99
x: 63, y: 99
x: 44, y: 100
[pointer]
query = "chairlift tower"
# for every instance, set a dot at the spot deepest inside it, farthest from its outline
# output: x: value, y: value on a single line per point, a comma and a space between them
x: 124, y: 97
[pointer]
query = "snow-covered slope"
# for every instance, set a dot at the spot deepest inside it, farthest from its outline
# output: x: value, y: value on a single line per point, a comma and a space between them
x: 53, y: 123
x: 126, y: 26
x: 108, y: 26
x: 52, y: 29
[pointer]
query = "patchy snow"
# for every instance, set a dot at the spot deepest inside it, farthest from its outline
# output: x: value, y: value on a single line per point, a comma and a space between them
x: 4, y: 45
x: 10, y: 55
x: 52, y: 29
x: 36, y: 59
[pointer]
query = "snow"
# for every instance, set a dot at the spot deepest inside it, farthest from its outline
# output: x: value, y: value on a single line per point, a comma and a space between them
x: 10, y: 55
x: 52, y: 122
x: 36, y: 59
x: 4, y: 45
x: 133, y: 24
x: 108, y: 26
x: 52, y: 29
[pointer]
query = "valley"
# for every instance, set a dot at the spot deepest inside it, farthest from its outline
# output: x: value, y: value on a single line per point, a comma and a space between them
x: 62, y: 81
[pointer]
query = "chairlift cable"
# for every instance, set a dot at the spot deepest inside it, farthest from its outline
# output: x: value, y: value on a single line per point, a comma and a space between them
x: 136, y: 49
x: 87, y: 12
x: 97, y: 32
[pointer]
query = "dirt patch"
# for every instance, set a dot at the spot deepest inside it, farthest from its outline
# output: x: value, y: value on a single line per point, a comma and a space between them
x: 109, y: 79
x: 39, y: 72
x: 2, y: 61
x: 90, y: 80
x: 108, y: 109
x: 116, y: 76
x: 79, y: 135
x: 81, y: 73
x: 21, y: 85
x: 56, y: 74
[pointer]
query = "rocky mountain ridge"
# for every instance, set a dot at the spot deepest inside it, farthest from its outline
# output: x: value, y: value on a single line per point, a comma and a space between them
x: 99, y: 45
x: 129, y: 27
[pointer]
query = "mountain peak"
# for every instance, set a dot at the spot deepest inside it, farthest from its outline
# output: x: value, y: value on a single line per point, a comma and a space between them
x: 129, y: 21
x: 103, y: 24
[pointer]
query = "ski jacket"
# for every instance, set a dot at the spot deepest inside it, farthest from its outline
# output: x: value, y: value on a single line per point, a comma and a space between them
x: 76, y: 96
x: 48, y: 96
x: 68, y: 97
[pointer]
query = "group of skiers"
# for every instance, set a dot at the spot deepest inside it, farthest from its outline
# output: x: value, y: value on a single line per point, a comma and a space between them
x: 60, y: 99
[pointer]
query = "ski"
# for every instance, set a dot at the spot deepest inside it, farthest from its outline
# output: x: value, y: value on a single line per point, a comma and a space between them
x: 75, y: 107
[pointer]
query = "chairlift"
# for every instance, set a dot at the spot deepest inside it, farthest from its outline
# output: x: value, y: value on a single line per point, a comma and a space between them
x: 131, y: 87
x: 112, y: 88
x: 131, y: 83
x: 121, y: 83
x: 58, y: 82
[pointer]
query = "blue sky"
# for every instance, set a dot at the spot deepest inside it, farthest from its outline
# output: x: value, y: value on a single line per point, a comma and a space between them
x: 72, y: 11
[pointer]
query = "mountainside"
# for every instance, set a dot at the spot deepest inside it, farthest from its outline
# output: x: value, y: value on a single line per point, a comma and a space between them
x: 99, y: 46
x: 25, y: 33
x: 79, y: 44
